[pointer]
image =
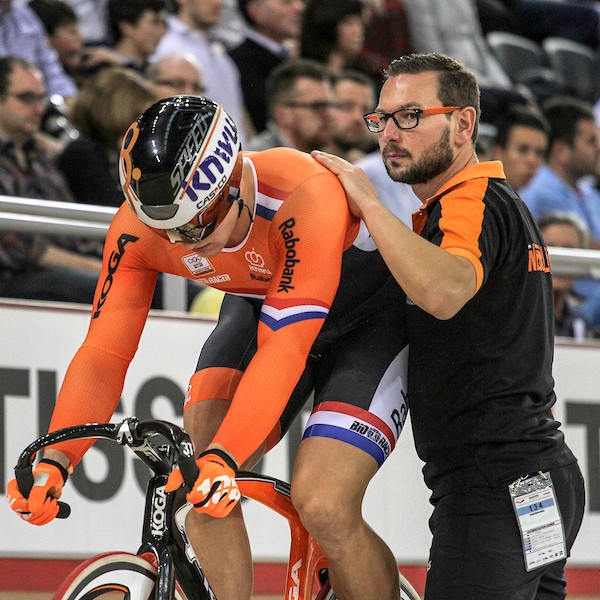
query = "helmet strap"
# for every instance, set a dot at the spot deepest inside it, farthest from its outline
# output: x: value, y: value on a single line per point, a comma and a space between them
x: 233, y: 193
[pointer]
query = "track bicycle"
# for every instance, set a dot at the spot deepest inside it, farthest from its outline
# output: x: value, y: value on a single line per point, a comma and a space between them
x: 165, y: 566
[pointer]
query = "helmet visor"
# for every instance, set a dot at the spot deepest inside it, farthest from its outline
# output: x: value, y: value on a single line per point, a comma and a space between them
x: 160, y: 213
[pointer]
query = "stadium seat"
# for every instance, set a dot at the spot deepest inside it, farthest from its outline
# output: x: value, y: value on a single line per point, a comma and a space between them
x: 516, y: 53
x: 577, y: 63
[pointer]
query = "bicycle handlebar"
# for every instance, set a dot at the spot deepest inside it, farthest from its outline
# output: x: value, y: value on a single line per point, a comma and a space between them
x: 129, y: 432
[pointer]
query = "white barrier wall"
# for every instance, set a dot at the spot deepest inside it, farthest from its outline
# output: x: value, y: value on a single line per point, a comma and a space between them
x: 37, y: 343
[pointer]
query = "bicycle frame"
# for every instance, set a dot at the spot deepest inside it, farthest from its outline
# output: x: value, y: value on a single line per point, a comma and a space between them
x: 174, y: 560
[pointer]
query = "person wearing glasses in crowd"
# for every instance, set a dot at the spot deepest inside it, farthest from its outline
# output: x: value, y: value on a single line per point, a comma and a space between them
x: 174, y: 74
x: 480, y: 321
x: 354, y: 94
x: 300, y: 102
x: 36, y: 266
x: 306, y: 290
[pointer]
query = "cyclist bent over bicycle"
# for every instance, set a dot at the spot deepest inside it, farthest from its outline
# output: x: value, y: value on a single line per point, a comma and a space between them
x: 310, y: 305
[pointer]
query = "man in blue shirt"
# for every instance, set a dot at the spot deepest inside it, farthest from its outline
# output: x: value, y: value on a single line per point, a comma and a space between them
x: 22, y: 34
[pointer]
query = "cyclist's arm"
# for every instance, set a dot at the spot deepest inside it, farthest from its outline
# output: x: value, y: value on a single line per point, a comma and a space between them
x: 95, y: 377
x: 309, y: 234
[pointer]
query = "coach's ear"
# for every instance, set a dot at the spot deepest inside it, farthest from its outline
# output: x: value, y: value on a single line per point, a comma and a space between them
x: 465, y: 119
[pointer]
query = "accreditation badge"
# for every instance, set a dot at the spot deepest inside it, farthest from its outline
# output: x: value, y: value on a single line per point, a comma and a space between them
x: 539, y: 520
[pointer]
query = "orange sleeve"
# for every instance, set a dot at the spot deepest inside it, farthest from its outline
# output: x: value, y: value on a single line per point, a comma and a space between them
x: 95, y: 377
x: 307, y: 236
x: 461, y: 223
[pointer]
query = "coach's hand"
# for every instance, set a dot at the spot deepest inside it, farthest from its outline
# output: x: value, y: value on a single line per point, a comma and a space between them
x: 41, y: 506
x: 215, y: 492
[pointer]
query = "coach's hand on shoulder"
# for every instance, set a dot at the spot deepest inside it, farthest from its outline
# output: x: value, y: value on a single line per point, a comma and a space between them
x: 215, y: 492
x: 41, y: 506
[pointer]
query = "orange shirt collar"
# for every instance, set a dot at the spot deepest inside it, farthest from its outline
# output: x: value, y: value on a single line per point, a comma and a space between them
x: 493, y: 169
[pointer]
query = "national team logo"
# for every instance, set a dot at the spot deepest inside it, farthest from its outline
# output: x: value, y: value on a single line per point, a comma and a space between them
x: 197, y: 265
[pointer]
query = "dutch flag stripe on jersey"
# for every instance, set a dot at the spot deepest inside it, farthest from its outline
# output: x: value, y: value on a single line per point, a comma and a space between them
x: 353, y: 425
x: 267, y: 207
x: 277, y: 313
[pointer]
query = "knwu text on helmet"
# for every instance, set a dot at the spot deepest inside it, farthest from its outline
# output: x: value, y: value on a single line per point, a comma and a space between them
x: 211, y: 172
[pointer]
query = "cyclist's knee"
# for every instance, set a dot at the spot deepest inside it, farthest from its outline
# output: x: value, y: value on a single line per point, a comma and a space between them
x: 325, y: 511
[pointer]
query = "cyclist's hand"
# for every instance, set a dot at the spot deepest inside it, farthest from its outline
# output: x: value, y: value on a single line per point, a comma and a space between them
x: 215, y: 492
x: 41, y: 506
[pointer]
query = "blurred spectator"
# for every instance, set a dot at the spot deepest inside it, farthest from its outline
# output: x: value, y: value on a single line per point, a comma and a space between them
x: 136, y: 28
x: 175, y: 74
x: 453, y: 28
x: 104, y: 109
x: 573, y: 153
x: 270, y: 24
x: 65, y: 37
x: 300, y: 102
x: 565, y: 230
x: 354, y: 95
x: 397, y: 197
x: 192, y: 30
x: 36, y: 266
x: 333, y: 32
x: 521, y: 143
x: 22, y: 34
x: 387, y: 36
x: 92, y: 17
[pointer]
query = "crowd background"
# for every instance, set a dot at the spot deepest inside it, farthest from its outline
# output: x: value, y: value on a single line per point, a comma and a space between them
x: 299, y: 73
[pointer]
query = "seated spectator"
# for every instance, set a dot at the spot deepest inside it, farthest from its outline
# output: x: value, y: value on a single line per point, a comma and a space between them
x: 565, y: 230
x: 22, y: 34
x: 191, y: 29
x: 136, y: 28
x: 333, y: 33
x: 300, y: 103
x: 271, y: 26
x: 573, y: 154
x: 104, y: 109
x: 35, y: 266
x: 175, y: 74
x: 65, y: 37
x: 521, y: 143
x: 354, y: 96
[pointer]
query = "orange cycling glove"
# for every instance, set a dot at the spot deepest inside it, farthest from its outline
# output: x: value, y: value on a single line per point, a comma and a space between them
x: 41, y: 506
x: 215, y: 491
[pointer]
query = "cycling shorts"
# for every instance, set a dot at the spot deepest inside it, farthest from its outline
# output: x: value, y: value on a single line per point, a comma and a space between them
x: 356, y: 371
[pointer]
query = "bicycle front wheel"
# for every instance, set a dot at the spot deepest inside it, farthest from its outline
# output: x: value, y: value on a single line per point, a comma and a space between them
x: 407, y: 591
x: 118, y: 575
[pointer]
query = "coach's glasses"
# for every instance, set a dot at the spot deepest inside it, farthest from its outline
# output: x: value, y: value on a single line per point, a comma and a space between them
x: 405, y: 118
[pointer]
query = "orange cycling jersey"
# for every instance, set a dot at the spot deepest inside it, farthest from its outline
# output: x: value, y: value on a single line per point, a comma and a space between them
x: 291, y: 260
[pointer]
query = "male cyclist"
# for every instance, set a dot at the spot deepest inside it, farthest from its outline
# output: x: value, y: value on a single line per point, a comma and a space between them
x: 310, y: 305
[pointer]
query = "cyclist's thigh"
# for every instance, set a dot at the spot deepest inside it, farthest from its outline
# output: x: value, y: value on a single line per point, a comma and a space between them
x: 476, y: 550
x: 232, y: 343
x: 226, y: 353
x: 360, y: 386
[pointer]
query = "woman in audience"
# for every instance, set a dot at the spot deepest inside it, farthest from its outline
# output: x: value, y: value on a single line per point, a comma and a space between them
x: 104, y: 109
x: 333, y: 32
